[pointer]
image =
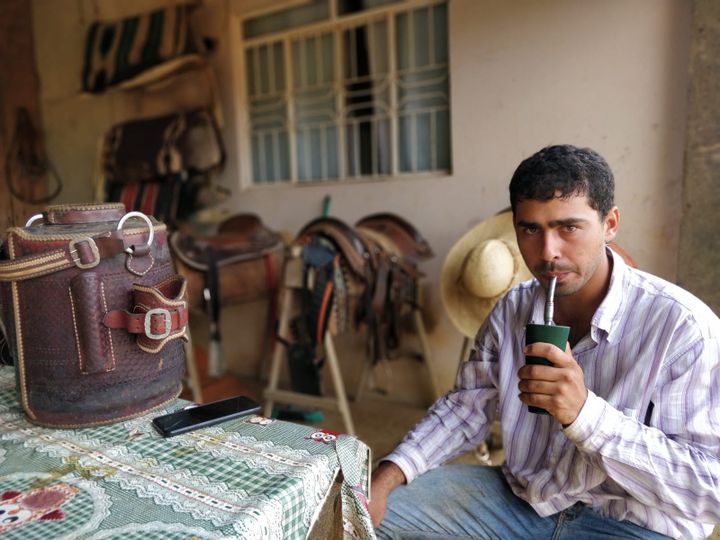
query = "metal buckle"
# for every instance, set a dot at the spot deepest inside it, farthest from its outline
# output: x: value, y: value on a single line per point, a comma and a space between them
x: 76, y: 256
x: 151, y: 229
x: 148, y: 320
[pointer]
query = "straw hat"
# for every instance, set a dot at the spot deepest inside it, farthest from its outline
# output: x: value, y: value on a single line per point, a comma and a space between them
x: 478, y: 270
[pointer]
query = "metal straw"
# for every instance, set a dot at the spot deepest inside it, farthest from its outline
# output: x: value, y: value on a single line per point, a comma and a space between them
x: 549, y: 302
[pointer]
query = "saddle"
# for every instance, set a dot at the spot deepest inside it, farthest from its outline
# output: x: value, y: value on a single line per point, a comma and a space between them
x: 396, y: 288
x: 242, y: 262
x: 346, y: 242
x: 406, y: 238
x: 353, y: 276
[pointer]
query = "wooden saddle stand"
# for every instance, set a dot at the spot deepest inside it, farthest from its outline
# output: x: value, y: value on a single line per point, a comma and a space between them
x: 338, y: 279
x: 241, y: 263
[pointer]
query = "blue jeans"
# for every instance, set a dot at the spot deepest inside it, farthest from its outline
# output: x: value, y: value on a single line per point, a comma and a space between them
x: 472, y: 501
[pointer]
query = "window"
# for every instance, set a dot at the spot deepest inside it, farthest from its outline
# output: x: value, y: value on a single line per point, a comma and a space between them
x: 347, y: 89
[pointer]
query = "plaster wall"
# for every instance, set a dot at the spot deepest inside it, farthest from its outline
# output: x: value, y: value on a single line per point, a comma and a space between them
x: 610, y: 75
x: 699, y: 252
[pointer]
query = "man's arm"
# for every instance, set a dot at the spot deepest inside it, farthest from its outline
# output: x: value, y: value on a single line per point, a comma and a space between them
x: 674, y: 467
x: 456, y: 423
x: 385, y: 478
x: 660, y: 471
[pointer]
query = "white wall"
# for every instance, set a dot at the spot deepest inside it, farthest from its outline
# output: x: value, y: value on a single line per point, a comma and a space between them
x: 524, y: 74
x: 611, y: 75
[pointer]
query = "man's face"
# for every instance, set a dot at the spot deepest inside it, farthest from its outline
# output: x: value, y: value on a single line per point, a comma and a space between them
x: 564, y: 238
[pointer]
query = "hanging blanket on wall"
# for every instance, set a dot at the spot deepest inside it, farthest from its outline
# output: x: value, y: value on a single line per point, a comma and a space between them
x: 160, y: 165
x: 151, y: 148
x: 138, y: 49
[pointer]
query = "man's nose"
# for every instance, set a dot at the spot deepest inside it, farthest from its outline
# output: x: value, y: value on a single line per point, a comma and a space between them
x: 551, y: 246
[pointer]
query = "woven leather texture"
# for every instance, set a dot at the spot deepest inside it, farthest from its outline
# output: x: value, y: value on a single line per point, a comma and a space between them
x: 72, y: 370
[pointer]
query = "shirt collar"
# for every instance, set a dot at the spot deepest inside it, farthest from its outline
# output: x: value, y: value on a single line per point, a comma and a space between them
x: 607, y: 315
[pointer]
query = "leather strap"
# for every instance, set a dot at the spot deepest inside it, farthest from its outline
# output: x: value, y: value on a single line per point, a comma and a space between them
x: 159, y: 315
x: 79, y: 252
x: 153, y: 323
x: 86, y: 213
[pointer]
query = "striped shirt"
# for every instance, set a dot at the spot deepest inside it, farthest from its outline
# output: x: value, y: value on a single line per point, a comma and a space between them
x: 645, y: 445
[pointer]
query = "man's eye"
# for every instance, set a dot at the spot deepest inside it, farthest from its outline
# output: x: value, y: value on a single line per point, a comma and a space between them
x: 530, y: 230
x: 570, y: 228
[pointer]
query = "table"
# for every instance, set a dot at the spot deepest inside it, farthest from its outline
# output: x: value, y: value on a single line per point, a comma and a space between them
x: 247, y: 478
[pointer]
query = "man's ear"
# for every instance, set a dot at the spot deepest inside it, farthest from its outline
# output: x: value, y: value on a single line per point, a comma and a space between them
x: 611, y: 224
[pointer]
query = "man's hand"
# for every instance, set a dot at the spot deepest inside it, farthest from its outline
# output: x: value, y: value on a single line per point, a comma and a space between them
x: 560, y: 389
x: 384, y: 479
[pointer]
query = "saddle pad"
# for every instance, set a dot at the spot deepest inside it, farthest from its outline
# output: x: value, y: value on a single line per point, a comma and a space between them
x: 138, y: 49
x: 152, y: 148
x: 169, y: 200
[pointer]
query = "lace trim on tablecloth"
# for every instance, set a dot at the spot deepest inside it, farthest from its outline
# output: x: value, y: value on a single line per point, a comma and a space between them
x: 180, y: 489
x: 313, y: 470
x: 161, y: 527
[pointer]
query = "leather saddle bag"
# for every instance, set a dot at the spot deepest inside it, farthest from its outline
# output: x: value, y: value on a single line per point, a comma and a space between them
x: 94, y: 313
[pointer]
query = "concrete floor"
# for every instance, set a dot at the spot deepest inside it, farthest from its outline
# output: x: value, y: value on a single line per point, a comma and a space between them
x: 380, y: 420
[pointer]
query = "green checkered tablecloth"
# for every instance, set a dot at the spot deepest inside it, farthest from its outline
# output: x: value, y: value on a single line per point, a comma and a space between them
x: 242, y: 479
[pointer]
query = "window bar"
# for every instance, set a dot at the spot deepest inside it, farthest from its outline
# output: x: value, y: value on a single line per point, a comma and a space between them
x: 261, y: 153
x: 270, y: 164
x: 318, y: 61
x: 249, y: 77
x: 414, y: 143
x: 356, y: 145
x: 353, y: 54
x: 431, y: 36
x: 276, y: 153
x: 255, y: 165
x: 393, y: 80
x: 270, y: 70
x: 302, y: 79
x: 290, y: 110
x: 264, y: 76
x: 370, y: 40
x: 411, y: 40
x: 339, y: 103
x: 371, y: 96
x: 256, y: 70
x: 433, y: 141
x: 307, y: 154
x: 412, y: 68
x: 323, y: 153
x: 377, y: 162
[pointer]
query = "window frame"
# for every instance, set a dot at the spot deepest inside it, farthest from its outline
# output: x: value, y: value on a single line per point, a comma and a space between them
x: 336, y: 25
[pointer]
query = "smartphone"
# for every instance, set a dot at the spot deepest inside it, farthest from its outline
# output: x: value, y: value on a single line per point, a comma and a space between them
x: 207, y: 414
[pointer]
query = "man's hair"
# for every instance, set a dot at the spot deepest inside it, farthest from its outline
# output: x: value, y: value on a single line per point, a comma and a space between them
x: 564, y: 171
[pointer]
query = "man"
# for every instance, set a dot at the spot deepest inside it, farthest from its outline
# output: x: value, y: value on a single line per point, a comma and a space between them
x: 630, y: 446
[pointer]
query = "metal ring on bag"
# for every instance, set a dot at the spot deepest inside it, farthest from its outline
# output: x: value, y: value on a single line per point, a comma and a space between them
x: 33, y: 219
x: 143, y: 217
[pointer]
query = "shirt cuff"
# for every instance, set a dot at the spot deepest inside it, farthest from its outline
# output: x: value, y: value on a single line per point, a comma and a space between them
x: 585, y: 431
x: 411, y: 464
